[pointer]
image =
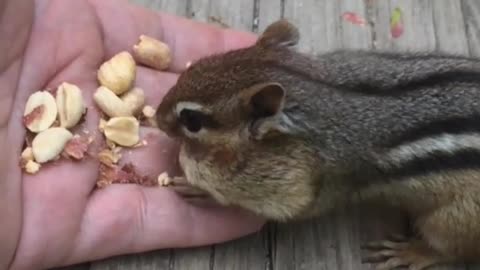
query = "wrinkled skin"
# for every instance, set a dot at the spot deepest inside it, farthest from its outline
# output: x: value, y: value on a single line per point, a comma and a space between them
x: 56, y: 217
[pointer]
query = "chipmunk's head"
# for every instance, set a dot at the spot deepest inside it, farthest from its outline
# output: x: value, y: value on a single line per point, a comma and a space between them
x: 237, y: 141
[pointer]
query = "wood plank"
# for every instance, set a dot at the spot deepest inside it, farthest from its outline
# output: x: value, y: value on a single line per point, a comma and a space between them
x: 83, y: 266
x: 145, y: 261
x: 449, y: 26
x: 419, y: 33
x: 471, y: 13
x: 237, y: 14
x: 193, y: 258
x: 248, y: 253
x: 269, y: 11
x: 318, y: 33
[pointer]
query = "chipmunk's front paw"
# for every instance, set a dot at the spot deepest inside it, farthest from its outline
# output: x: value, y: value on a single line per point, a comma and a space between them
x: 400, y: 252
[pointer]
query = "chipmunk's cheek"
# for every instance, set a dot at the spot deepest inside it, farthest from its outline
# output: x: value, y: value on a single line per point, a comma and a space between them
x: 188, y: 165
x: 224, y: 158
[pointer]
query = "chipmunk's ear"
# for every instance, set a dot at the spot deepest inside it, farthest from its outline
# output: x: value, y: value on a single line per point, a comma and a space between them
x: 264, y: 103
x: 279, y: 34
x: 263, y: 99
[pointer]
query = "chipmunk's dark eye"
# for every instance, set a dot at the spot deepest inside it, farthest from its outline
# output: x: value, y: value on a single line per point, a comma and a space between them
x: 192, y: 120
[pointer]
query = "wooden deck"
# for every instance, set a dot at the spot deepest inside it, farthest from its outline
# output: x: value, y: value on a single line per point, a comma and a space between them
x: 331, y: 242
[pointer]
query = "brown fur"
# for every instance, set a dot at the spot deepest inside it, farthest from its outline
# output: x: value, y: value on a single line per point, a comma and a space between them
x: 325, y: 143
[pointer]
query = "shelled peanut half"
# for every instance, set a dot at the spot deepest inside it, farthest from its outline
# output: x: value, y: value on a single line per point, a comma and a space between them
x: 123, y: 106
x: 51, y: 118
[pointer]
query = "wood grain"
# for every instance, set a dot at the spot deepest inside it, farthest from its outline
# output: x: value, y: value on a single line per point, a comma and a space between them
x: 237, y: 14
x: 471, y: 15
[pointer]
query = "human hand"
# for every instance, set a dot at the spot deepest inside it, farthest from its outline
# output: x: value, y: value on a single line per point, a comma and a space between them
x: 55, y: 217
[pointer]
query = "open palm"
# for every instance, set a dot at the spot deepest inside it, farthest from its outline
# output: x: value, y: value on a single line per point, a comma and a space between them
x: 64, y: 219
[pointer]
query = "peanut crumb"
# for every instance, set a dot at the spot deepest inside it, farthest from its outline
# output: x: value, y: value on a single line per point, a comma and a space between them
x: 163, y: 179
x: 32, y: 167
x: 148, y: 111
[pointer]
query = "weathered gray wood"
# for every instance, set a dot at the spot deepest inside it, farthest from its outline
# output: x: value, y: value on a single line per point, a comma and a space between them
x: 268, y: 12
x: 419, y: 31
x: 318, y: 29
x: 193, y: 258
x: 145, y: 261
x: 450, y: 27
x: 237, y: 14
x: 249, y: 253
x: 83, y: 266
x: 471, y: 14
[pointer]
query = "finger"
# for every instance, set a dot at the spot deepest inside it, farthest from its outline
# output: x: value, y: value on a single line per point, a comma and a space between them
x: 158, y: 155
x: 128, y: 219
x: 155, y: 84
x: 188, y: 40
x: 73, y: 62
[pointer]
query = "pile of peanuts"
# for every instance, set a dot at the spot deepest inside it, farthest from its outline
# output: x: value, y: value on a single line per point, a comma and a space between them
x: 51, y: 118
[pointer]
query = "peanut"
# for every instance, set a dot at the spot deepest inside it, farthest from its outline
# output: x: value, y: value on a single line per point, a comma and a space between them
x: 163, y: 179
x: 110, y: 104
x: 101, y: 124
x: 40, y: 111
x: 152, y: 53
x: 70, y: 105
x: 123, y: 130
x: 48, y: 144
x: 148, y: 111
x: 134, y: 99
x: 27, y: 154
x: 32, y: 167
x: 119, y: 73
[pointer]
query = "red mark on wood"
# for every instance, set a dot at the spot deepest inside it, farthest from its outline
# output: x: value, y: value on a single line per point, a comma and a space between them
x: 354, y: 18
x: 396, y: 23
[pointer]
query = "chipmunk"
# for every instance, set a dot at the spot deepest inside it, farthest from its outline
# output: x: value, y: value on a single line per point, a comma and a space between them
x: 290, y: 136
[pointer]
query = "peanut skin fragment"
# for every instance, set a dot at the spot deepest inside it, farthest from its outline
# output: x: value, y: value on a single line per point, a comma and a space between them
x: 77, y: 146
x: 40, y: 111
x: 126, y: 174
